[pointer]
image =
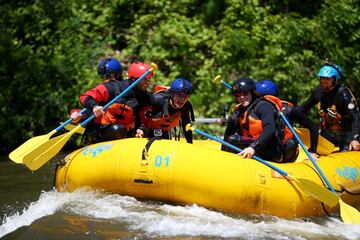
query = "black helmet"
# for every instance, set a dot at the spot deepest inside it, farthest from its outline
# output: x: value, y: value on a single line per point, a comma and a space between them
x: 243, y: 84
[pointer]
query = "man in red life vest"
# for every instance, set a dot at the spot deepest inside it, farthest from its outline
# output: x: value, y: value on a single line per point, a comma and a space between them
x: 169, y: 107
x: 256, y: 127
x: 121, y: 118
x: 340, y: 121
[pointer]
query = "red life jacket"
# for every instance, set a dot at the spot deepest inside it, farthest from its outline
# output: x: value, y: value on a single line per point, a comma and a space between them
x: 252, y: 127
x: 163, y: 123
x: 118, y: 113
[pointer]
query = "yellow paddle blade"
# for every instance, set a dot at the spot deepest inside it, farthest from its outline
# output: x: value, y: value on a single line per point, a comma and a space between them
x: 316, y: 191
x: 46, y: 151
x: 217, y: 79
x: 70, y: 127
x: 18, y: 154
x: 325, y: 147
x: 349, y: 214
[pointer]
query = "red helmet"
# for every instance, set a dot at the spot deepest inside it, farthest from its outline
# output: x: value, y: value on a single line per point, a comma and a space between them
x: 139, y: 68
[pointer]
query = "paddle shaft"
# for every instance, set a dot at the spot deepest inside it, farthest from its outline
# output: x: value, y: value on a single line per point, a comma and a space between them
x: 307, y: 152
x: 118, y: 96
x: 239, y: 150
x: 67, y: 122
x: 226, y: 84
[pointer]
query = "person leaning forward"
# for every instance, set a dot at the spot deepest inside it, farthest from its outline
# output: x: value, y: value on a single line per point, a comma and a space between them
x: 255, y: 128
x: 168, y: 108
x: 340, y: 121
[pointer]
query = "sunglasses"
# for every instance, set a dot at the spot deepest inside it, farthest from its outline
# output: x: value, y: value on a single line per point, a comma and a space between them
x: 241, y: 93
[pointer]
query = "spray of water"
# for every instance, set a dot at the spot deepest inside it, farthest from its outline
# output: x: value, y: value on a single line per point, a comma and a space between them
x: 154, y: 219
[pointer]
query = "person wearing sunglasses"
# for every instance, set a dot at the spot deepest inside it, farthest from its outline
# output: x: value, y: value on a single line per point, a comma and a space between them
x: 255, y: 127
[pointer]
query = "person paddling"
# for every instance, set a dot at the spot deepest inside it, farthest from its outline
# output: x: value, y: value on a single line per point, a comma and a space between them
x: 120, y: 119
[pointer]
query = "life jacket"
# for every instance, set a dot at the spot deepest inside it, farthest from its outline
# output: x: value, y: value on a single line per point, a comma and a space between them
x: 330, y: 118
x: 159, y: 88
x: 118, y: 113
x: 252, y: 127
x: 165, y: 122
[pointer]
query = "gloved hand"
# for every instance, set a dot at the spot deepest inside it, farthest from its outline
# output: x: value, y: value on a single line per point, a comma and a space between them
x: 332, y: 113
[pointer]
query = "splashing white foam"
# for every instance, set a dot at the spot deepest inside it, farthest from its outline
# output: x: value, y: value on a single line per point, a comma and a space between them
x: 163, y: 220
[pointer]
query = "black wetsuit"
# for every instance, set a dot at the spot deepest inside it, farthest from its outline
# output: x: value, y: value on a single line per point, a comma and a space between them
x: 345, y: 104
x: 295, y: 115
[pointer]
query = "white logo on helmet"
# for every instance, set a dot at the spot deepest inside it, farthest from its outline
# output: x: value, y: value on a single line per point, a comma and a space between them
x: 351, y: 106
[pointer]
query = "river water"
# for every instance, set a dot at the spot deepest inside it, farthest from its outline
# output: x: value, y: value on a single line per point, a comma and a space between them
x: 31, y: 209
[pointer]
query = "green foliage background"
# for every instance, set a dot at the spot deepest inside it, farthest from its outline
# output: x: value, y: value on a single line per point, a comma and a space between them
x: 50, y: 50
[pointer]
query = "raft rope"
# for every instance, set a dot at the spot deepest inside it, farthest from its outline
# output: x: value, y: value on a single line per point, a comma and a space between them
x: 343, y: 189
x: 147, y: 146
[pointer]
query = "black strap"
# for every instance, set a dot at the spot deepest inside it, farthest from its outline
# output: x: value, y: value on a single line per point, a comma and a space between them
x: 147, y: 146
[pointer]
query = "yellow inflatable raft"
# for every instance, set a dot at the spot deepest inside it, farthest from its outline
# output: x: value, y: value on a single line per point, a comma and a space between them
x: 200, y: 173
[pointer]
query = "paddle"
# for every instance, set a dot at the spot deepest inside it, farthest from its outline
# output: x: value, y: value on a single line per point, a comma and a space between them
x: 325, y: 147
x: 70, y: 127
x: 311, y: 188
x: 42, y: 153
x: 18, y: 154
x: 218, y: 80
x: 348, y: 213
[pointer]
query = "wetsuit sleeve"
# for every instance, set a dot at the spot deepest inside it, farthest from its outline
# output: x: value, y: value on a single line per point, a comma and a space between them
x: 296, y: 115
x: 94, y: 97
x: 232, y: 127
x: 186, y: 119
x: 265, y: 111
x: 352, y: 110
x: 312, y: 101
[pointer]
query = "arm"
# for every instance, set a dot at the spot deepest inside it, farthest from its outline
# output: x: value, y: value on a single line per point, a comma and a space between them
x: 185, y: 119
x: 231, y: 128
x: 265, y: 111
x: 352, y: 110
x: 311, y: 101
x: 94, y: 97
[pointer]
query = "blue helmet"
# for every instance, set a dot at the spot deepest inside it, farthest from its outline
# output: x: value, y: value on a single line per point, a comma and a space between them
x: 109, y: 66
x: 181, y: 86
x: 330, y: 70
x: 267, y: 87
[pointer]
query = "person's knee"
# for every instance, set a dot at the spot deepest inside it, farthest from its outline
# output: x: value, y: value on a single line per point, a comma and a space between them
x: 117, y: 131
x: 290, y: 151
x: 234, y: 139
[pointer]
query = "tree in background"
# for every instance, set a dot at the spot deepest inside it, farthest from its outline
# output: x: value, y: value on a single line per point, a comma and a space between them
x: 49, y: 50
